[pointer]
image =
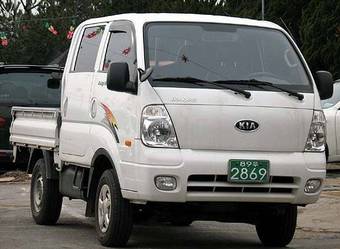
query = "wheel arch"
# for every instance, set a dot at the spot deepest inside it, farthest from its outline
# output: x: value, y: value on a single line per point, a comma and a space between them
x: 35, y: 155
x: 101, y: 161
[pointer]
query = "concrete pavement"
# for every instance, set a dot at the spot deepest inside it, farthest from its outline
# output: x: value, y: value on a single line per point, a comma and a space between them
x: 319, y: 227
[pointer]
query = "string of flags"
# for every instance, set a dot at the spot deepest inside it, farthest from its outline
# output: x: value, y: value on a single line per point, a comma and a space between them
x: 52, y: 29
x: 70, y: 33
x: 4, y: 41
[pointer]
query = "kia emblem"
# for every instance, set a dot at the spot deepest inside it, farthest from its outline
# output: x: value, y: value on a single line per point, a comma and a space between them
x: 247, y: 125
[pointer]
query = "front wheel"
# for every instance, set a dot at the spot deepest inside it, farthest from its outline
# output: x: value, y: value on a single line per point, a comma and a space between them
x: 277, y: 229
x: 113, y: 213
x: 46, y: 201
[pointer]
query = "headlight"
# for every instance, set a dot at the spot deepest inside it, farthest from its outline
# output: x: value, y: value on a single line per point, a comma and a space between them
x: 157, y: 129
x: 317, y: 135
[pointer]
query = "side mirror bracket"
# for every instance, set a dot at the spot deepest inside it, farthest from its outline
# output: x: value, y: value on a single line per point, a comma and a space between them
x: 145, y: 74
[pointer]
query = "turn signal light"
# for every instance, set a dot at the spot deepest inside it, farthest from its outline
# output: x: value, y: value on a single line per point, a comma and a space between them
x: 316, y: 140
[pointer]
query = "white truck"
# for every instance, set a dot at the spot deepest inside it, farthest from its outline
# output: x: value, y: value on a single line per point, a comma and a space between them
x: 180, y: 117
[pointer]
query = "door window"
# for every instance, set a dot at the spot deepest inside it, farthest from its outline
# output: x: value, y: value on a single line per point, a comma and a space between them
x: 88, y: 49
x: 120, y: 49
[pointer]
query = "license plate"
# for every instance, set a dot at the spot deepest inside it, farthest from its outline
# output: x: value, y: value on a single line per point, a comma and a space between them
x: 248, y: 171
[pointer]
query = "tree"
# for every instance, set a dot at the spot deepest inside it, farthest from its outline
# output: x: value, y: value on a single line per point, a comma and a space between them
x: 314, y: 24
x: 320, y: 34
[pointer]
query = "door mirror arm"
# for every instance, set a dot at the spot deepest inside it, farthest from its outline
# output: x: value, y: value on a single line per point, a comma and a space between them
x: 145, y: 74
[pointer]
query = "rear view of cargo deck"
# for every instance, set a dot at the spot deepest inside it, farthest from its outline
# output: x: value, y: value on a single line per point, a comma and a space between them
x: 35, y: 128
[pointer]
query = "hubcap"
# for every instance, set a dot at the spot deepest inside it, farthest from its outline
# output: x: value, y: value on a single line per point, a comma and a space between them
x: 104, y: 208
x: 38, y: 192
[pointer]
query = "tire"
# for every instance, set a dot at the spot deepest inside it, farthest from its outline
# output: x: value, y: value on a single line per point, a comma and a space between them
x: 117, y: 230
x: 277, y: 229
x: 46, y: 201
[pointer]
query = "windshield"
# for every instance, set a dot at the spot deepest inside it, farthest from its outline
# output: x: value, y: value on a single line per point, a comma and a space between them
x: 328, y: 103
x: 18, y: 88
x: 214, y: 52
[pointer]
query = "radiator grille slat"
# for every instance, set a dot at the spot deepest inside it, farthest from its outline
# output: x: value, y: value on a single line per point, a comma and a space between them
x: 219, y: 183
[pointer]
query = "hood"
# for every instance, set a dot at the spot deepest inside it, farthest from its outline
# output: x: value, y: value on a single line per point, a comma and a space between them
x: 214, y: 119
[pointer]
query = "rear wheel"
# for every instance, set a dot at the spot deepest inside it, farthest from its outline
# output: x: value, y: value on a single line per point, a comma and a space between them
x: 277, y: 229
x: 46, y: 201
x: 113, y: 213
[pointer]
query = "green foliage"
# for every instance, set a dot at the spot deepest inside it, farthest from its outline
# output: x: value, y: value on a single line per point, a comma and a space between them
x: 320, y: 34
x: 315, y: 24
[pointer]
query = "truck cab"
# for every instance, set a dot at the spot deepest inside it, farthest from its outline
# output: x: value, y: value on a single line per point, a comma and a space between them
x: 186, y: 117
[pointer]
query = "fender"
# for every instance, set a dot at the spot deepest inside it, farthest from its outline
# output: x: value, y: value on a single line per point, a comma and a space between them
x: 98, y: 153
x: 36, y: 154
x: 93, y: 179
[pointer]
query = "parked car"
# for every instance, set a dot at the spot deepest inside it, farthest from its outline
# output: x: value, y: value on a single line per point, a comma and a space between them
x: 188, y: 117
x: 24, y: 85
x: 331, y: 108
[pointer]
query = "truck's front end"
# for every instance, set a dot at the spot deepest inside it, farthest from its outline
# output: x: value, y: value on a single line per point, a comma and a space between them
x: 237, y: 125
x: 178, y: 117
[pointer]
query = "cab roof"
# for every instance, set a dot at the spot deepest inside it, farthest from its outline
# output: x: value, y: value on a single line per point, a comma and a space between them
x: 140, y: 19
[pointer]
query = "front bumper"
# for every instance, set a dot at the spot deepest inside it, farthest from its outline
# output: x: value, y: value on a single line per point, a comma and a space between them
x: 201, y: 176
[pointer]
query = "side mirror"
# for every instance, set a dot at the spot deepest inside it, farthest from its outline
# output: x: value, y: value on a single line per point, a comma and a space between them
x: 118, y: 77
x: 53, y: 83
x: 324, y: 83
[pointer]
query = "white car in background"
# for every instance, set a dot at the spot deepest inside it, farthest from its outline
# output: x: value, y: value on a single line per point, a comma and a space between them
x: 331, y: 108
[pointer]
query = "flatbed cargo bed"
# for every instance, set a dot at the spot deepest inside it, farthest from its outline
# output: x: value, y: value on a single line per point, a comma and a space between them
x: 35, y: 127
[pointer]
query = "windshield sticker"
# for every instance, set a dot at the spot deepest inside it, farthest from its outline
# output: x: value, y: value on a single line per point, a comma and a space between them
x: 126, y: 51
x: 184, y: 58
x: 95, y: 33
x: 111, y: 120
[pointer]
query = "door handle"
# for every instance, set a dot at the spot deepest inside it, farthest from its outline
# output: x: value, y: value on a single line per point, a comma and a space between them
x: 93, y: 108
x: 101, y: 83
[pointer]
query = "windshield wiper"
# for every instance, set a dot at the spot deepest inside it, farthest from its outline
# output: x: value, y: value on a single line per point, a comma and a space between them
x: 254, y: 82
x: 200, y: 82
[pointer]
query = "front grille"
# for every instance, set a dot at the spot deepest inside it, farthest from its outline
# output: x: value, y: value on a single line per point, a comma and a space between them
x: 219, y: 184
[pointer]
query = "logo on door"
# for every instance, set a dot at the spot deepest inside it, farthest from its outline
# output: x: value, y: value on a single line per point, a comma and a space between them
x: 111, y: 120
x: 247, y: 125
